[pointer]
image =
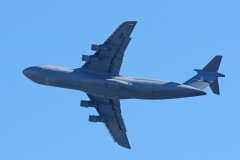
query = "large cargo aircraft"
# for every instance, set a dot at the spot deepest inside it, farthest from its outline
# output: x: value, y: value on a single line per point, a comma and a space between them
x: 99, y: 78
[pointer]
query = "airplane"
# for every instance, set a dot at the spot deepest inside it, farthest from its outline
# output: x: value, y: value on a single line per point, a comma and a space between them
x: 99, y: 78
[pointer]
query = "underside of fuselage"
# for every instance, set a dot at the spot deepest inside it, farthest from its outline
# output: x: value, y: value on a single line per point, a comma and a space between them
x: 116, y: 87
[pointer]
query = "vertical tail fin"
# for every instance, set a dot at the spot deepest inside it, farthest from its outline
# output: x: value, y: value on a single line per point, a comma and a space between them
x: 215, y: 87
x: 207, y: 76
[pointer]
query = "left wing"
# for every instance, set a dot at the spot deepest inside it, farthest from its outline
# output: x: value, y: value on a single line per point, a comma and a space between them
x: 110, y: 114
x: 109, y: 55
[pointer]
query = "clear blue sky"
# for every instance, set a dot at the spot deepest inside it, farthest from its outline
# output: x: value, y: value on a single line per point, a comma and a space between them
x: 170, y: 40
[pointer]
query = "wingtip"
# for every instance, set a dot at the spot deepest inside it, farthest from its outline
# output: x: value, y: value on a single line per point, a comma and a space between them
x: 219, y: 56
x: 130, y: 22
x: 127, y: 145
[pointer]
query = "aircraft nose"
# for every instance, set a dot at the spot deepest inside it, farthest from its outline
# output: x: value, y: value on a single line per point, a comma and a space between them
x: 28, y: 72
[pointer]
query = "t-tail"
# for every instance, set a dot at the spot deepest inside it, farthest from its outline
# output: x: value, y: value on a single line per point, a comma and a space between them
x: 208, y: 76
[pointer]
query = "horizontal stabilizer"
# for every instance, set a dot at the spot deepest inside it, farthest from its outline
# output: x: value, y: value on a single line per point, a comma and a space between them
x: 213, y: 65
x: 208, y: 76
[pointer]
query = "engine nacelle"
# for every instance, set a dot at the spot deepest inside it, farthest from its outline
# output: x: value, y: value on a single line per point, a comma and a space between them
x: 87, y: 104
x: 96, y: 119
x: 88, y: 58
x: 98, y: 47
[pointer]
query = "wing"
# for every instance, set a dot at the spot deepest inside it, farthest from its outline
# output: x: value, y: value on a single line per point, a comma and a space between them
x: 109, y: 55
x: 110, y: 114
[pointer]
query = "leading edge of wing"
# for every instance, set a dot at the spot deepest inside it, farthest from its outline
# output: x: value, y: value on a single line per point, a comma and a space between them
x: 110, y: 114
x: 108, y: 57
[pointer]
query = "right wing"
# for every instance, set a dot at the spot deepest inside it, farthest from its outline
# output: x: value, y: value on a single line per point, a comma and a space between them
x: 109, y: 55
x: 110, y: 114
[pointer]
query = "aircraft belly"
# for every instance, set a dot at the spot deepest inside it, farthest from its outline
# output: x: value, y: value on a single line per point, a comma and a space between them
x: 100, y: 88
x: 104, y: 92
x: 169, y: 94
x: 62, y: 80
x: 136, y: 91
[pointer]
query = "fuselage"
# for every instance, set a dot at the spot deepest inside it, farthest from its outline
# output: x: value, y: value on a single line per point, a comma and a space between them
x: 105, y: 85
